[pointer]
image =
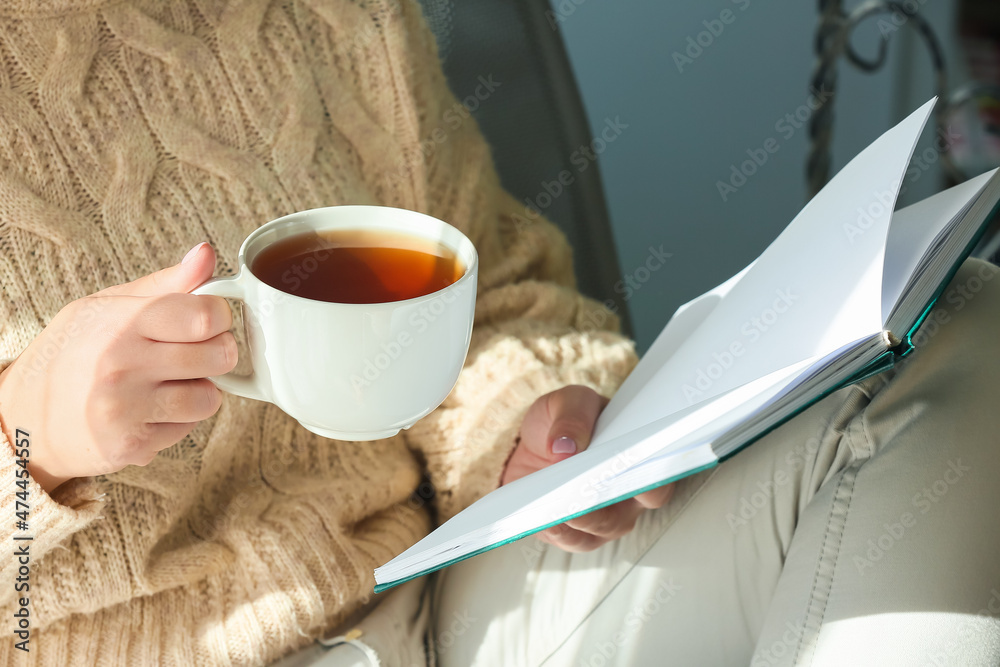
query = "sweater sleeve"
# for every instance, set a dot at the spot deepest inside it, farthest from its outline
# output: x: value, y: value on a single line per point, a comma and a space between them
x: 49, y: 519
x: 533, y: 331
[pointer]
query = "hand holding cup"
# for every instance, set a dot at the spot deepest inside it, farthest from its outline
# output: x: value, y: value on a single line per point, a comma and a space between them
x: 119, y: 375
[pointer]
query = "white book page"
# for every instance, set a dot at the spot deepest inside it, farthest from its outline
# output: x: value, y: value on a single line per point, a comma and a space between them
x: 914, y: 230
x: 587, y: 479
x: 680, y: 327
x: 816, y: 288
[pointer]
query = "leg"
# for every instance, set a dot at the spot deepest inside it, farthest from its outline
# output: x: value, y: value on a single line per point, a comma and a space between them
x: 693, y: 582
x: 896, y: 560
x: 771, y: 548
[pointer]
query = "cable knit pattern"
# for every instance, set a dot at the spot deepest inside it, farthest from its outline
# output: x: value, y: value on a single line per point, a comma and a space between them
x: 132, y: 130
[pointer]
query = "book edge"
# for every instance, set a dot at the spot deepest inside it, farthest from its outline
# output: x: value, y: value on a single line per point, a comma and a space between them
x: 391, y: 584
x: 907, y: 346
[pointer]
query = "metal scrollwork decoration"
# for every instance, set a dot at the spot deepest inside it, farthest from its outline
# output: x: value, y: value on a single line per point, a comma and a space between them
x: 833, y: 40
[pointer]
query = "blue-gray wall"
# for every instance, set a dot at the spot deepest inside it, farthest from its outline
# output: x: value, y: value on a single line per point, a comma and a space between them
x: 689, y: 121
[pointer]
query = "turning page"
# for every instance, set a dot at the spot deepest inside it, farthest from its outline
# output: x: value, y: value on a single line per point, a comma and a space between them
x: 815, y: 289
x: 925, y: 242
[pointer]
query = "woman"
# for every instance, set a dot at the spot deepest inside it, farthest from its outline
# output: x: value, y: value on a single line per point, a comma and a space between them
x: 169, y: 523
x: 172, y: 524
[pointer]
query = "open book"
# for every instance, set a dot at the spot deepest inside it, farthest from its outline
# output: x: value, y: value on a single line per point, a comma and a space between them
x: 835, y: 298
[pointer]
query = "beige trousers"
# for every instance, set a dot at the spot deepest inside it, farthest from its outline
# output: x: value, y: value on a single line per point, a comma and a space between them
x: 865, y: 531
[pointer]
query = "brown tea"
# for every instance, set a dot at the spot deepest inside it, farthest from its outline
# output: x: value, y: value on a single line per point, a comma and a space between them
x: 357, y: 266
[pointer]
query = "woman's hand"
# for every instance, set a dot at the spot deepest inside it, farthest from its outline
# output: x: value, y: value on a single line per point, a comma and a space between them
x: 557, y: 426
x: 120, y: 375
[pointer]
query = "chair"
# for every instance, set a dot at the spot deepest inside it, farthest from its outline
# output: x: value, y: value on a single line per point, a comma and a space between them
x: 534, y: 123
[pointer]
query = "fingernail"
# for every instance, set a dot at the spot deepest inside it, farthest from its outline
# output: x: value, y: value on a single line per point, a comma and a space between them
x: 192, y: 252
x: 563, y: 445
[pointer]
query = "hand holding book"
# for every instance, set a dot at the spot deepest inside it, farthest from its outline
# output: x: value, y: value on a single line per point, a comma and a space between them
x: 557, y: 426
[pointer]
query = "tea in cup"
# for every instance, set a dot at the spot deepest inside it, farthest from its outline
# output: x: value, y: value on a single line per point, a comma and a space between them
x: 358, y: 318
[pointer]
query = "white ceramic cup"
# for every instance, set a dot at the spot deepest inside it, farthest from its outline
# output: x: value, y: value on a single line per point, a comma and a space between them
x: 352, y: 371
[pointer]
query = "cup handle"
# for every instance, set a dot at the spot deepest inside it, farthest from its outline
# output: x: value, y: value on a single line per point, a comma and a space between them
x: 247, y: 386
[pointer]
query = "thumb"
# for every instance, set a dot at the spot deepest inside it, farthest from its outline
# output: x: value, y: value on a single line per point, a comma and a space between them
x: 196, y: 267
x: 574, y: 411
x: 556, y: 426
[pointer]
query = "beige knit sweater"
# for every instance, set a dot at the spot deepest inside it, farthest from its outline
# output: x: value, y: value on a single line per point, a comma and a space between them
x: 130, y: 130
